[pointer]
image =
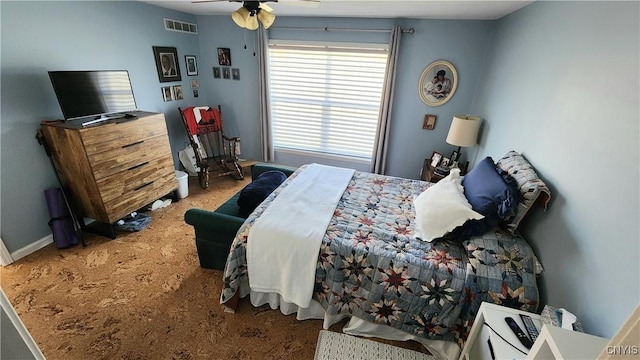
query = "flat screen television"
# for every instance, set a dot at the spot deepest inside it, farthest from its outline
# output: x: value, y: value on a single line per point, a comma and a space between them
x: 93, y: 95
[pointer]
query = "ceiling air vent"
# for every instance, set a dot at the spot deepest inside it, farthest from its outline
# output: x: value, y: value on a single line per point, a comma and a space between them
x: 180, y: 26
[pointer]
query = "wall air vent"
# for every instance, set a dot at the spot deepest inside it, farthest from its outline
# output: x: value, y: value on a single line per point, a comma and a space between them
x: 180, y: 26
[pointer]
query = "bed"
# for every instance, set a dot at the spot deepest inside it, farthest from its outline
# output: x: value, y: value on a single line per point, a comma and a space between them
x: 374, y: 266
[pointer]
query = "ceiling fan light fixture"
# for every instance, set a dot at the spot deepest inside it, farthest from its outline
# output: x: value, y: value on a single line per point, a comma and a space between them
x: 266, y: 18
x: 240, y: 16
x: 252, y: 22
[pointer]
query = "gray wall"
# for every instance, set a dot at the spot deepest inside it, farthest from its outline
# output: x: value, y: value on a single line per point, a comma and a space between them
x: 561, y: 86
x: 42, y: 36
x: 463, y: 43
x: 557, y: 81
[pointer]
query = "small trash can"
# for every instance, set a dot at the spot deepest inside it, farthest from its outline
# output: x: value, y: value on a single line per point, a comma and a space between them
x: 183, y: 184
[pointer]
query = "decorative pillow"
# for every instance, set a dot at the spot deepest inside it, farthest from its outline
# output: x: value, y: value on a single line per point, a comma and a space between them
x: 442, y: 207
x: 255, y: 192
x: 490, y: 195
x: 530, y: 186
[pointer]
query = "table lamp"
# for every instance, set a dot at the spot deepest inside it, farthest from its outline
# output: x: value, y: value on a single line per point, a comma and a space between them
x: 463, y: 133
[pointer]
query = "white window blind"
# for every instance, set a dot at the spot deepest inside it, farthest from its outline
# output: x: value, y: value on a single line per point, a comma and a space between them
x: 326, y: 97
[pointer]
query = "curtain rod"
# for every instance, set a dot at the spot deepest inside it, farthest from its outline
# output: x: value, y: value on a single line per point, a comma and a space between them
x: 410, y: 30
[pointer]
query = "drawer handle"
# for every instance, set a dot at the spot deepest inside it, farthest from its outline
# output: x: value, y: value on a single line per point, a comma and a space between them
x: 133, y: 144
x: 143, y: 185
x: 139, y: 165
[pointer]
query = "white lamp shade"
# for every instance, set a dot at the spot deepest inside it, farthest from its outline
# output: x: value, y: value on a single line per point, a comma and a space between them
x: 464, y: 131
x: 266, y: 18
x: 252, y: 23
x: 240, y: 16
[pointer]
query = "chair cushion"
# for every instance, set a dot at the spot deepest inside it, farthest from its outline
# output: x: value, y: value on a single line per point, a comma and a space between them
x: 255, y: 192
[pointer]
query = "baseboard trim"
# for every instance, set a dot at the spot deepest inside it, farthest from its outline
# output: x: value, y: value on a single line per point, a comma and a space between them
x: 5, y: 255
x: 31, y: 248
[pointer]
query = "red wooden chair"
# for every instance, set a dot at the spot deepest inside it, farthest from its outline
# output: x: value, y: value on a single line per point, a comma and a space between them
x: 215, y: 152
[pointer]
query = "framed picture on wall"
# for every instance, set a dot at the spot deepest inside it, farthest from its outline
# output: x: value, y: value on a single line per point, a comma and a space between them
x: 166, y: 93
x: 224, y: 56
x: 167, y: 63
x: 438, y: 83
x: 192, y: 65
x: 216, y: 72
x: 429, y: 122
x: 177, y: 92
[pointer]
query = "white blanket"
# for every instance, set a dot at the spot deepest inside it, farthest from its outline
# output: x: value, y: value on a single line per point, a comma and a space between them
x: 284, y: 242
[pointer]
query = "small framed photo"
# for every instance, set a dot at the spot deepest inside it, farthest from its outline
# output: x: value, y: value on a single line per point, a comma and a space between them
x: 235, y: 73
x: 454, y: 156
x: 166, y: 93
x: 192, y: 65
x: 445, y: 162
x: 429, y: 122
x: 226, y: 73
x: 195, y: 93
x: 435, y: 159
x: 177, y: 92
x: 224, y: 56
x: 194, y: 83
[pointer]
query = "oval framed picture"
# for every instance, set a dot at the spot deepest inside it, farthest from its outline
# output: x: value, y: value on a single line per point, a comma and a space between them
x: 438, y: 83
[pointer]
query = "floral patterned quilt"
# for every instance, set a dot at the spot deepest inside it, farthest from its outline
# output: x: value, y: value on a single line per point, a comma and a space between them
x: 373, y: 267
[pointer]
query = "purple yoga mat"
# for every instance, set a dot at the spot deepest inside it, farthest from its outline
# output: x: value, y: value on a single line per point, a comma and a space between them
x: 61, y: 223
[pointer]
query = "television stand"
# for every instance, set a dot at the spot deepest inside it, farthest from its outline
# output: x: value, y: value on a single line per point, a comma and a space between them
x: 113, y: 168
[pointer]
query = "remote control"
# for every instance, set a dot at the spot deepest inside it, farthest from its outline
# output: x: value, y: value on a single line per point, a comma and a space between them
x: 518, y: 331
x: 530, y: 327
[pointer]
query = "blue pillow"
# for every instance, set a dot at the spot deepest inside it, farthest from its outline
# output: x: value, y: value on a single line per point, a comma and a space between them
x: 255, y: 192
x: 490, y: 195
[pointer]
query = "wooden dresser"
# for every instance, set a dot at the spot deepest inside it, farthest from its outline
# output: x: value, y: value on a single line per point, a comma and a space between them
x: 112, y: 168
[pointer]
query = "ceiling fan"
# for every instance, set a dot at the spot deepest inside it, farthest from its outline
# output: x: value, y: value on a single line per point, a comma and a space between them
x: 250, y: 12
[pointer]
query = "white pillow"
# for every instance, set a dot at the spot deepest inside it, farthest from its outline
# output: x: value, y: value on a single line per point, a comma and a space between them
x: 442, y: 207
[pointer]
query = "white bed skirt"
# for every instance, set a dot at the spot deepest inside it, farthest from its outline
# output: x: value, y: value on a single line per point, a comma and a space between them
x: 439, y: 348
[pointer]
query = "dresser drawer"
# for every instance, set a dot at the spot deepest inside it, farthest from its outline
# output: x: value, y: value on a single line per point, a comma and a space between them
x: 122, y: 183
x: 108, y: 137
x: 127, y: 157
x: 138, y: 198
x: 132, y: 189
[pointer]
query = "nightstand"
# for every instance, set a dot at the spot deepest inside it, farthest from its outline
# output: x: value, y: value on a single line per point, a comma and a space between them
x: 477, y: 345
x: 552, y: 342
x: 558, y: 343
x: 427, y: 172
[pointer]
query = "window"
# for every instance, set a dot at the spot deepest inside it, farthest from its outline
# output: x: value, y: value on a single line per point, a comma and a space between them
x: 325, y: 98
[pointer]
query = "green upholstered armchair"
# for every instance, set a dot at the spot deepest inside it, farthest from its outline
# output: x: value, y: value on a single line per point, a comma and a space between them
x: 216, y: 229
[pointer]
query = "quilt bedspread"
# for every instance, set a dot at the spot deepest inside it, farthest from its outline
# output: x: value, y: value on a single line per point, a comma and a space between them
x: 373, y: 267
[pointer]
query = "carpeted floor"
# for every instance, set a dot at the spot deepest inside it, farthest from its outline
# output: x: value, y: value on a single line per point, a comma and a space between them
x: 144, y: 296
